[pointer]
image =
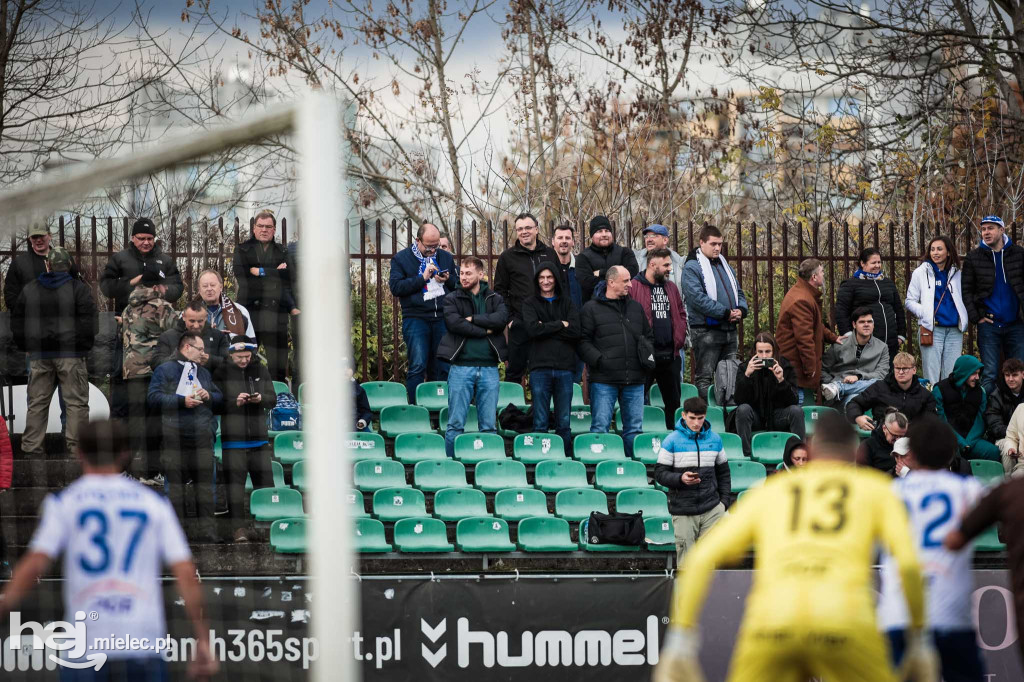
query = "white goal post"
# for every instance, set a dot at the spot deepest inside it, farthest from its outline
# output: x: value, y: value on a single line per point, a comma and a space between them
x: 324, y: 277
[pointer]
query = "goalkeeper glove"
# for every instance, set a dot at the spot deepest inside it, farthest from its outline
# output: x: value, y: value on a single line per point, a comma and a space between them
x: 678, y: 661
x: 920, y: 661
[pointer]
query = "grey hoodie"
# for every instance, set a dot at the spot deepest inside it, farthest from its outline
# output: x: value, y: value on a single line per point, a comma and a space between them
x: 841, y: 359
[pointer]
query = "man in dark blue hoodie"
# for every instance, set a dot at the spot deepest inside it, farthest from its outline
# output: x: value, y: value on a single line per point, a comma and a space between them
x: 421, y: 276
x: 54, y: 321
x: 993, y: 289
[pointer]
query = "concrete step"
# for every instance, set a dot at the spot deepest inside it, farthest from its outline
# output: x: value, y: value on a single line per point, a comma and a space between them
x: 18, y: 530
x: 45, y: 472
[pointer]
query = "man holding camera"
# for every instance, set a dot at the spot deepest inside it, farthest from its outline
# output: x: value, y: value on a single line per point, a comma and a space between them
x: 766, y: 393
x: 849, y: 368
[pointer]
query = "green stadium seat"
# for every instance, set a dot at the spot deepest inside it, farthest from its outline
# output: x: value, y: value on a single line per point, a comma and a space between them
x: 375, y: 474
x: 471, y: 425
x: 711, y: 396
x: 579, y: 420
x: 741, y: 494
x: 516, y: 504
x: 746, y: 474
x: 361, y: 445
x: 473, y: 448
x: 277, y: 473
x: 575, y: 504
x: 989, y: 541
x: 577, y: 398
x: 586, y: 545
x: 653, y: 419
x: 510, y: 392
x: 218, y: 447
x: 767, y: 447
x: 271, y: 504
x: 455, y: 504
x: 591, y: 448
x: 861, y: 433
x: 498, y: 474
x: 545, y: 534
x: 647, y: 501
x: 383, y: 394
x: 281, y: 387
x: 302, y: 391
x: 413, y: 448
x: 656, y: 398
x: 811, y: 415
x: 288, y: 536
x: 555, y: 475
x: 533, y: 448
x: 715, y: 415
x: 398, y: 419
x: 687, y: 391
x: 659, y: 533
x: 422, y: 535
x: 432, y: 476
x: 613, y: 476
x: 370, y: 537
x: 353, y: 500
x: 647, y: 445
x: 289, y: 447
x: 393, y: 504
x: 733, y: 445
x: 987, y: 472
x: 483, y: 535
x: 432, y: 395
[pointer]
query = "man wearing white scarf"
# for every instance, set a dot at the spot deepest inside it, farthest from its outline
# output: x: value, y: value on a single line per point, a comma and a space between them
x: 714, y: 306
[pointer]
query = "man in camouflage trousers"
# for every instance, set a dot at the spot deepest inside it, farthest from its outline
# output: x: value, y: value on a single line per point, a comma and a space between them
x: 147, y: 316
x: 54, y: 321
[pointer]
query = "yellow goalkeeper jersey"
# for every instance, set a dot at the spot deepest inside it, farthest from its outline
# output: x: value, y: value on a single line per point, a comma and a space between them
x: 814, y: 533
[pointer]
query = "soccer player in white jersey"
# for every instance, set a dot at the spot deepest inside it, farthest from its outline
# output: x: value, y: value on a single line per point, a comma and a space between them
x: 115, y: 535
x: 936, y: 500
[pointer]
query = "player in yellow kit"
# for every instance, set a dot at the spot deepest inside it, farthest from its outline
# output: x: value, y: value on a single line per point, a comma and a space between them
x: 811, y: 610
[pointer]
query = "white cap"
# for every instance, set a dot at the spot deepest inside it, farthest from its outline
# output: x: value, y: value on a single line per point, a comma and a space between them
x: 901, y: 446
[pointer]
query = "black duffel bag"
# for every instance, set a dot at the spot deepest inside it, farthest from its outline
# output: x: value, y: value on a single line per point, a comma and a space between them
x: 614, y: 529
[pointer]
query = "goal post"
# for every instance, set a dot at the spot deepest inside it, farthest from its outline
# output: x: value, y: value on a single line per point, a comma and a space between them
x: 324, y: 272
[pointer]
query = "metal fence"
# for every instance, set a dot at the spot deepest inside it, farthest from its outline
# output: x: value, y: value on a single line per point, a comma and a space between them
x: 765, y: 258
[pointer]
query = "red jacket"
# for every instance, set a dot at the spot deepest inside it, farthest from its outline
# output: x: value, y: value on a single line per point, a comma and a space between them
x: 640, y: 291
x: 6, y: 456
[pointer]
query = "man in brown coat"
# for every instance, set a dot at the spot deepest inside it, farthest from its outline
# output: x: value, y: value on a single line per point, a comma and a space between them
x: 801, y: 329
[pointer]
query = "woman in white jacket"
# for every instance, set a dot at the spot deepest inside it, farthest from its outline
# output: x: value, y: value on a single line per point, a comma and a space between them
x: 935, y: 298
x: 1012, y: 447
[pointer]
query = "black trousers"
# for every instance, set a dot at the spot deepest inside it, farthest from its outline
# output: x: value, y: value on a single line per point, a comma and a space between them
x: 271, y: 327
x: 129, y: 405
x: 518, y: 352
x: 235, y: 464
x: 189, y: 457
x: 666, y: 375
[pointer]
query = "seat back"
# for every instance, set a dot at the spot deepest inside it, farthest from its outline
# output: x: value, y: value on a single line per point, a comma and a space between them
x: 281, y: 387
x: 422, y: 535
x: 374, y: 474
x: 647, y: 501
x: 746, y: 474
x: 399, y: 419
x: 653, y: 419
x: 298, y: 475
x: 381, y: 394
x: 496, y: 474
x: 432, y: 395
x: 988, y: 473
x: 470, y: 426
x: 432, y: 476
x: 353, y: 501
x: 483, y: 535
x: 289, y: 447
x: 370, y: 536
x: 659, y: 533
x: 453, y: 504
x: 411, y: 448
x: 513, y: 504
x: 733, y: 445
x: 613, y: 476
x: 591, y: 448
x: 359, y: 445
x: 580, y: 420
x: 391, y: 504
x: 647, y: 445
x: 288, y: 536
x: 555, y: 475
x: 687, y: 391
x: 531, y: 448
x: 270, y: 504
x: 545, y: 534
x: 471, y: 448
x: 767, y: 447
x: 510, y: 392
x: 811, y: 415
x: 575, y: 504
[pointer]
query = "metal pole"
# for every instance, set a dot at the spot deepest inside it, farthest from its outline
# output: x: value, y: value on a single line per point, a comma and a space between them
x: 324, y: 273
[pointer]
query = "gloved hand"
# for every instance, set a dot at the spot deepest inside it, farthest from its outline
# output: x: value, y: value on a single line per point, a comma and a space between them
x: 678, y: 661
x: 920, y: 661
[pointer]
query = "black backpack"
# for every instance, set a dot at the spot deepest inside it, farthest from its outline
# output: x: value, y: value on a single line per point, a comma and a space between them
x: 614, y: 529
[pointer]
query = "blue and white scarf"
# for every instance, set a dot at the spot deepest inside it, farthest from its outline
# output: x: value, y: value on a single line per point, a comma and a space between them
x: 860, y: 274
x: 431, y: 289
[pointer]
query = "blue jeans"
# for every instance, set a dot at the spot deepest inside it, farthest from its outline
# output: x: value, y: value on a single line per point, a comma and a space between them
x: 992, y: 340
x: 847, y: 391
x: 710, y: 346
x: 422, y: 337
x: 937, y: 359
x: 557, y: 384
x: 141, y: 669
x: 602, y: 408
x: 463, y: 384
x: 958, y: 653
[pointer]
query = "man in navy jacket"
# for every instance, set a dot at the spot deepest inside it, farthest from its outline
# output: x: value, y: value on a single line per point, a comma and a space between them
x: 421, y: 276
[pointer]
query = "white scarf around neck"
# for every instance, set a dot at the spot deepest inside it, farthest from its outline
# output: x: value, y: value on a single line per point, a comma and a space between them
x: 709, y: 277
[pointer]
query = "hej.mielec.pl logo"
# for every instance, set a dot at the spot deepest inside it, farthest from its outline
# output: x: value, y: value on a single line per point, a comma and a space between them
x: 56, y: 637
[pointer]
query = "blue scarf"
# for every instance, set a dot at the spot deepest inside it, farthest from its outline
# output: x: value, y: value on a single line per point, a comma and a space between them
x: 860, y: 274
x: 423, y: 262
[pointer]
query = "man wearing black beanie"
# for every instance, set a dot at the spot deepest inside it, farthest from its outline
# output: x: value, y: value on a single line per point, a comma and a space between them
x: 593, y: 262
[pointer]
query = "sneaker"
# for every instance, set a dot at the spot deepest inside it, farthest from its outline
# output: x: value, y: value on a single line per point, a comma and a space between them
x: 830, y: 391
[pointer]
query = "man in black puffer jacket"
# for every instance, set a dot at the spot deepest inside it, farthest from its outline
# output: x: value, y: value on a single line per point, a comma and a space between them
x: 193, y: 319
x: 612, y: 323
x: 1004, y: 400
x: 899, y: 389
x: 248, y: 394
x: 552, y: 323
x: 594, y: 261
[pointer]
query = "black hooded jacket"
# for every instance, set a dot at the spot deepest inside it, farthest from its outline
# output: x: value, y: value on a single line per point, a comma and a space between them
x: 247, y: 423
x: 763, y: 392
x: 215, y: 344
x: 887, y: 393
x: 597, y: 259
x: 1001, y: 404
x: 124, y: 266
x: 552, y: 344
x: 516, y: 272
x: 610, y: 329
